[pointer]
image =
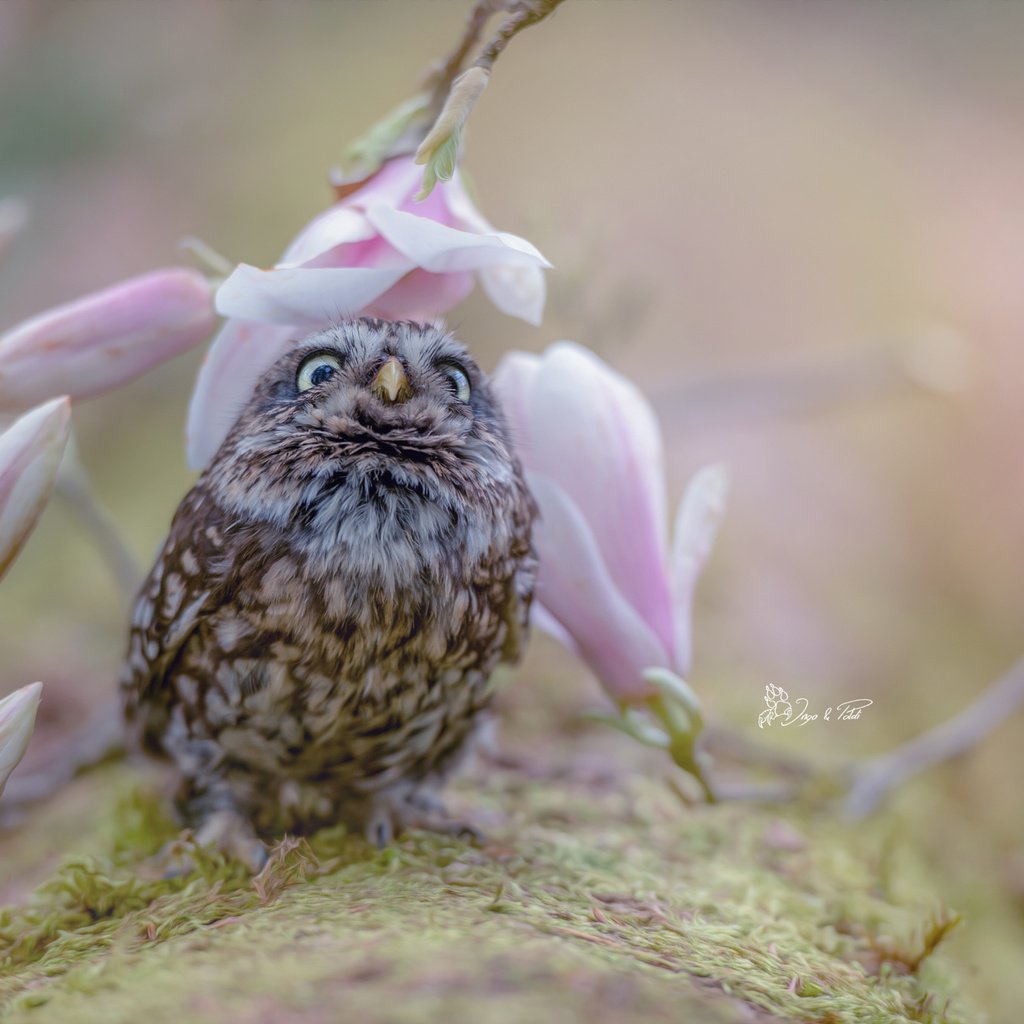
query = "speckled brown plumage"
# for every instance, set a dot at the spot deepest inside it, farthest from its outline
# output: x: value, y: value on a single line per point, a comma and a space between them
x: 315, y: 640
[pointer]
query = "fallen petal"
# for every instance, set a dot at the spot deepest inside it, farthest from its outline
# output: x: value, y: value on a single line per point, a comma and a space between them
x: 17, y: 719
x: 30, y: 453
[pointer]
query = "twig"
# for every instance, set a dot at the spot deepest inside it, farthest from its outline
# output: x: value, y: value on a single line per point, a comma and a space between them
x: 438, y: 150
x: 524, y: 14
x: 74, y: 488
x: 873, y: 779
x: 440, y: 79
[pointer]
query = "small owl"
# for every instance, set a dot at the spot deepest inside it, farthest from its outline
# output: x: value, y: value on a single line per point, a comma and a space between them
x: 315, y: 640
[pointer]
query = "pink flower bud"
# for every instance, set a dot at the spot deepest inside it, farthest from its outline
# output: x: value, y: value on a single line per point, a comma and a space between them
x: 17, y: 719
x: 607, y: 585
x: 30, y: 454
x: 378, y: 252
x: 106, y: 339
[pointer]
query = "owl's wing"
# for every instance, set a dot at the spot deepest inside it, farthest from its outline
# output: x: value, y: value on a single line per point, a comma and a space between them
x: 520, y: 591
x: 185, y: 586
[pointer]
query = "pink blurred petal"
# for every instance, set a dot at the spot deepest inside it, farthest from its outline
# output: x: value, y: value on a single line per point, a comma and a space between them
x: 697, y: 520
x: 541, y: 618
x: 514, y: 379
x: 442, y: 249
x: 30, y: 454
x: 241, y: 353
x: 574, y: 585
x: 17, y: 720
x: 311, y: 298
x: 105, y: 339
x: 594, y: 432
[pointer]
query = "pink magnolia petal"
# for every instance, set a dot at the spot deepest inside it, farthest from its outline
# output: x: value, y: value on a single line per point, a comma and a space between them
x: 312, y: 298
x: 421, y: 295
x: 697, y: 520
x: 30, y: 454
x: 395, y: 183
x: 574, y: 585
x: 336, y: 226
x: 516, y: 291
x: 514, y: 379
x: 541, y: 618
x: 17, y: 720
x: 241, y: 353
x: 105, y: 339
x: 464, y: 213
x: 442, y: 249
x: 594, y: 432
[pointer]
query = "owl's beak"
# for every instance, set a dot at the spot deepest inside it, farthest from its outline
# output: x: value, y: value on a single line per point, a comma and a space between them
x: 391, y: 384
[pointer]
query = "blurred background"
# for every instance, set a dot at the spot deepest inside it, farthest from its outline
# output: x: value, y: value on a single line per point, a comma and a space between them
x: 777, y: 218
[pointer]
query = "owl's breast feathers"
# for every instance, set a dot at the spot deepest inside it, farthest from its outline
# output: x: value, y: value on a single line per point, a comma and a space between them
x: 269, y: 650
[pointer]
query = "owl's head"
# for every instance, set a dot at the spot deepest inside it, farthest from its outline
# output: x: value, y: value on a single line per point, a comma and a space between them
x: 366, y: 417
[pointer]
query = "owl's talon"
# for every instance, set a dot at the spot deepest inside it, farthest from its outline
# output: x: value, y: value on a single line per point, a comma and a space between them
x: 380, y: 831
x: 233, y: 835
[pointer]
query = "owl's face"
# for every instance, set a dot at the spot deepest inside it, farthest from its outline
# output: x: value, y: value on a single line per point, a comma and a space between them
x: 388, y: 428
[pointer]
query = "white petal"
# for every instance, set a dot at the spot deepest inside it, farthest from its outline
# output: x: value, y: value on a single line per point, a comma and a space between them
x: 574, y: 585
x: 313, y: 298
x: 240, y: 354
x: 700, y: 513
x: 442, y: 249
x: 517, y: 291
x: 336, y: 226
x: 17, y: 719
x: 30, y: 454
x: 462, y: 208
x: 593, y: 432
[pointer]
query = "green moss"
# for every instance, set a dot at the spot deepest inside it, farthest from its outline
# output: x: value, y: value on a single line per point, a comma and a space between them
x: 605, y: 902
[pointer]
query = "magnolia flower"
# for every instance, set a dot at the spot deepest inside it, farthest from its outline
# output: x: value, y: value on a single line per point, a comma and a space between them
x: 17, y: 718
x: 105, y: 339
x: 30, y: 454
x: 609, y: 586
x: 378, y: 252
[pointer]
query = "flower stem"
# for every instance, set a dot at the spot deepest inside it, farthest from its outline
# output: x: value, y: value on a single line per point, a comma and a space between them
x: 75, y: 489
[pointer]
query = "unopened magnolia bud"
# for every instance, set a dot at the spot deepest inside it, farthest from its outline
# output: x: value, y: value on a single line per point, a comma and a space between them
x: 440, y: 149
x: 17, y: 719
x: 106, y: 339
x: 30, y: 454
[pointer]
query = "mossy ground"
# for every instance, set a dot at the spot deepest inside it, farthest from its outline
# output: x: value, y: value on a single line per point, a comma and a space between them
x: 597, y: 895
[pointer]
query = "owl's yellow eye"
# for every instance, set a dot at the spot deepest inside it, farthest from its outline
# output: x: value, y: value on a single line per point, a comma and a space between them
x: 316, y: 369
x: 457, y: 380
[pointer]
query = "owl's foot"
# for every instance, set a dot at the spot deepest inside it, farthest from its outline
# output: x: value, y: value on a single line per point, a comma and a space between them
x: 228, y: 832
x: 232, y: 834
x: 420, y: 810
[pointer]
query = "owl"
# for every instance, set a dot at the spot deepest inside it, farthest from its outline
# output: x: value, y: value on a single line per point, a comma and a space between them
x: 315, y: 640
